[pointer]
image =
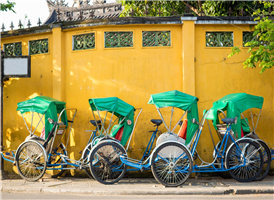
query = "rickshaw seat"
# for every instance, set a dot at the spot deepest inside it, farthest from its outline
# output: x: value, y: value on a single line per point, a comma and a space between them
x: 183, y: 130
x: 94, y: 122
x: 229, y: 120
x: 119, y: 134
x: 59, y: 135
x: 157, y: 121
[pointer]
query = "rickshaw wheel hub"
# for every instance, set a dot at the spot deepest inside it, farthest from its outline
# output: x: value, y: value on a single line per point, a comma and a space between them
x: 171, y: 165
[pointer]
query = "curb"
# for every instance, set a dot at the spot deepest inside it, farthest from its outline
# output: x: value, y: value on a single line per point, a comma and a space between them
x: 186, y: 191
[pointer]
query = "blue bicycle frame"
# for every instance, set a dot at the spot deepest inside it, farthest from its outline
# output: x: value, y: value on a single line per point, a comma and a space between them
x: 210, y: 167
x: 141, y: 164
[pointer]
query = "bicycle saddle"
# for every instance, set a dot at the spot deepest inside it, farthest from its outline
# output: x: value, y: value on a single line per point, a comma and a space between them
x: 229, y: 120
x: 157, y: 121
x: 94, y: 122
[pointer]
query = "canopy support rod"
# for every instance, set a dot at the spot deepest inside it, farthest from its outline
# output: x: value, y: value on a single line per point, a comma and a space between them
x: 163, y: 119
x: 26, y: 124
x: 257, y: 120
x: 246, y: 121
x: 114, y: 123
x: 42, y: 116
x: 38, y: 123
x: 172, y: 110
x: 179, y: 121
x: 70, y: 123
x: 133, y: 128
x: 252, y: 119
x: 110, y: 122
x: 105, y: 131
x: 32, y: 114
x: 103, y: 128
x: 222, y: 113
x: 96, y: 122
x: 210, y: 133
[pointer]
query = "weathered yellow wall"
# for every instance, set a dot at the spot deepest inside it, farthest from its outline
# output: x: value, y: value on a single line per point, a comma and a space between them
x: 20, y: 89
x: 217, y: 76
x: 132, y: 74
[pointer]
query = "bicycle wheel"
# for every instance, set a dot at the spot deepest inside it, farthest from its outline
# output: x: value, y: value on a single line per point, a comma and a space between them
x: 171, y: 164
x: 245, y: 159
x: 105, y: 164
x: 30, y: 161
x: 266, y: 160
x: 55, y: 159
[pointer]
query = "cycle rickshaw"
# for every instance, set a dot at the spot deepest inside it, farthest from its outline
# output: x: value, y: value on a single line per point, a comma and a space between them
x: 238, y: 105
x: 37, y: 153
x: 172, y: 159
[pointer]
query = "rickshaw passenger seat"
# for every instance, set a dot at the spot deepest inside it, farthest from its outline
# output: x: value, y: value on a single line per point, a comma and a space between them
x: 119, y: 134
x: 229, y: 120
x: 183, y: 130
x: 157, y: 121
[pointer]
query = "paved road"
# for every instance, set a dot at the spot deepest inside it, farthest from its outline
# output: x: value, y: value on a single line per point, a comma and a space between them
x: 41, y: 196
x: 137, y: 187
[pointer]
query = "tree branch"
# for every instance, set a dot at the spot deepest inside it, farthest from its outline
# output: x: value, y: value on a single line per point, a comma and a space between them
x: 192, y: 8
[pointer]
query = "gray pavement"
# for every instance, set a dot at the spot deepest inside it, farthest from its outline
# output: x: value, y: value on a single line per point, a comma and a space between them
x: 138, y: 186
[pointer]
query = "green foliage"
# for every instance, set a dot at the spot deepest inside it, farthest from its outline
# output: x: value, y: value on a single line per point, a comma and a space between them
x: 152, y: 7
x: 8, y: 6
x: 221, y: 8
x: 234, y: 51
x: 208, y: 8
x: 262, y: 46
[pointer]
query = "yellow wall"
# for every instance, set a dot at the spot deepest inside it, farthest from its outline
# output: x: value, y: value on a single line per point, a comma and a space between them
x: 217, y: 76
x: 20, y: 89
x: 132, y: 74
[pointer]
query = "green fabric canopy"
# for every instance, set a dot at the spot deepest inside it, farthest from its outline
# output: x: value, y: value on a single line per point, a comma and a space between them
x: 121, y: 109
x: 234, y: 104
x: 44, y: 105
x: 182, y: 101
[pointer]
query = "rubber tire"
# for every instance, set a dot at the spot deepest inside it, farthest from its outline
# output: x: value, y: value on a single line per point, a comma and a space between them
x: 229, y: 154
x: 154, y: 169
x: 93, y: 169
x: 64, y: 152
x: 40, y: 151
x: 267, y: 161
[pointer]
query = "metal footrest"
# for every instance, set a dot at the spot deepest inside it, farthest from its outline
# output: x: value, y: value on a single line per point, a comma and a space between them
x: 8, y: 155
x: 134, y: 163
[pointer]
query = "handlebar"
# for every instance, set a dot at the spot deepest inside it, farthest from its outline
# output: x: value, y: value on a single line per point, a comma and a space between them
x: 53, y: 122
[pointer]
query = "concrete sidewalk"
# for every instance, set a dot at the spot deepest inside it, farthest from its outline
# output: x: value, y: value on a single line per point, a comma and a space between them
x: 149, y: 186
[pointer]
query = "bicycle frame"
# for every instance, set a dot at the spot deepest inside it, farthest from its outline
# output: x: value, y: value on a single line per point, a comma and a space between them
x: 210, y: 167
x: 81, y: 163
x: 143, y: 163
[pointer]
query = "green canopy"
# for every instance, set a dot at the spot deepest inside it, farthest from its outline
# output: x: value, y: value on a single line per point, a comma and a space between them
x: 121, y: 109
x: 44, y: 105
x: 234, y: 104
x: 180, y: 100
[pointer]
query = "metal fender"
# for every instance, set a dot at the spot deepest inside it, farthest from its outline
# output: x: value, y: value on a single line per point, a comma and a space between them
x: 46, y: 158
x: 170, y: 142
x: 104, y: 141
x: 86, y: 148
x: 254, y: 140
